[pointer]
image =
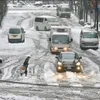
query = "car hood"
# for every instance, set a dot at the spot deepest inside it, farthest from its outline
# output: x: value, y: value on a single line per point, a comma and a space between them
x: 89, y: 39
x: 60, y: 45
x: 68, y: 61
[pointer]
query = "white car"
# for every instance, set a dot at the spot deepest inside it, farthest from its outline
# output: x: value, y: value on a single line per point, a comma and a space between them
x: 45, y: 22
x: 16, y: 34
x: 89, y: 39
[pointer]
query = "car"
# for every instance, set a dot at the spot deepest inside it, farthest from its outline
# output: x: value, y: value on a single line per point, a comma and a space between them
x: 89, y: 39
x: 68, y: 61
x: 64, y: 10
x: 45, y: 22
x: 60, y: 39
x: 16, y: 34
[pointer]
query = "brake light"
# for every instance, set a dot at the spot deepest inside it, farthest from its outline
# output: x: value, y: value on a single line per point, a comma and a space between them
x: 21, y: 36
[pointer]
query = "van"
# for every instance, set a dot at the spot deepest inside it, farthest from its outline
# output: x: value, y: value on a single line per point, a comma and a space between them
x: 64, y: 11
x: 60, y: 39
x: 89, y: 39
x: 45, y: 22
x: 16, y: 34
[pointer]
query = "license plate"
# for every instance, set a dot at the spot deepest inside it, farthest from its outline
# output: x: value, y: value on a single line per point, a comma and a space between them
x: 59, y: 50
x: 14, y: 35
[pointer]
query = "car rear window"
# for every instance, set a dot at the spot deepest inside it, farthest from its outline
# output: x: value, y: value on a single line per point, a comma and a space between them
x: 14, y: 31
x: 38, y: 19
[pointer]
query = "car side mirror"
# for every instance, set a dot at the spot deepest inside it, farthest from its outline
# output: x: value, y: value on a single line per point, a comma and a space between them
x: 49, y: 39
x: 71, y: 40
x: 56, y: 56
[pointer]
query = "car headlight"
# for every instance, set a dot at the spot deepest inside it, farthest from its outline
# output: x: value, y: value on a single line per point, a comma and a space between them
x: 78, y: 68
x: 54, y: 48
x: 78, y: 64
x: 65, y: 48
x: 60, y: 64
x: 59, y: 67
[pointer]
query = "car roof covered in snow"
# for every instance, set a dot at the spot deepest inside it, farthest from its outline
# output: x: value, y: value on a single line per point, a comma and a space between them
x: 14, y: 27
x: 60, y: 27
x: 46, y: 16
x: 88, y: 30
x: 63, y: 4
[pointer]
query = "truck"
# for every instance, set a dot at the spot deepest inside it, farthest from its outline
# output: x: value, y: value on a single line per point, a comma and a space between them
x: 60, y: 39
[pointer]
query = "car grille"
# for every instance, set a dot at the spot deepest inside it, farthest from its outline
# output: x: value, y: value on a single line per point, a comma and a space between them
x: 90, y: 44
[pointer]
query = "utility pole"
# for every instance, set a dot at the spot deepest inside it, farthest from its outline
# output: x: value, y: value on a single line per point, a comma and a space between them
x: 80, y: 9
x: 96, y: 14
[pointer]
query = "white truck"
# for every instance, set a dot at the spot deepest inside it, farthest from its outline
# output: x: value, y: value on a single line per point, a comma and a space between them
x: 60, y: 39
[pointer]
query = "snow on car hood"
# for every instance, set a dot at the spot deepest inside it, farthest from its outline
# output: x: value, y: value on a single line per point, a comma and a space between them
x: 68, y: 61
x: 89, y: 39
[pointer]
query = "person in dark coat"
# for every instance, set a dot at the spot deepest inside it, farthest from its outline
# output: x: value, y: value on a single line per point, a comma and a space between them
x: 25, y: 64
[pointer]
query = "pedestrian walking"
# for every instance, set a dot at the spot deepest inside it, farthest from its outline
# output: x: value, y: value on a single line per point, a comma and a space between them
x: 25, y: 65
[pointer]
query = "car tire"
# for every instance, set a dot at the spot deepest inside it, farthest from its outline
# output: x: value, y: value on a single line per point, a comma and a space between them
x: 37, y: 28
x: 45, y: 29
x: 82, y: 48
x: 1, y: 61
x: 57, y: 14
x: 95, y: 48
x: 23, y: 41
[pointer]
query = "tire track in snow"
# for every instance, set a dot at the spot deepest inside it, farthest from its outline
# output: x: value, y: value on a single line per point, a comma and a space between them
x: 22, y: 19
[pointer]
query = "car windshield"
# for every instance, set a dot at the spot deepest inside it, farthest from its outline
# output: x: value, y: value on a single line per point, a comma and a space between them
x: 60, y: 39
x: 61, y: 30
x: 53, y: 20
x: 38, y: 19
x: 14, y: 31
x: 68, y: 55
x: 65, y: 9
x: 90, y: 35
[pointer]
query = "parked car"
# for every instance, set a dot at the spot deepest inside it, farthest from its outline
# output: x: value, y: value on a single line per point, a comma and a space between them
x: 68, y: 61
x: 60, y: 39
x: 89, y: 39
x: 45, y: 22
x: 38, y: 3
x: 16, y: 34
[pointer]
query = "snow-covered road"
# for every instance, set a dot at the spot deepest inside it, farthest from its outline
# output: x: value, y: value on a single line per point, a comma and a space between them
x: 41, y: 69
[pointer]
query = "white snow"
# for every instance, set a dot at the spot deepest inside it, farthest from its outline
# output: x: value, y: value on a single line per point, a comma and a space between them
x: 29, y: 47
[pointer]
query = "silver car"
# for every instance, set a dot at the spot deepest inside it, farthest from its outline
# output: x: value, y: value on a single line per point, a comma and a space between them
x: 68, y: 61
